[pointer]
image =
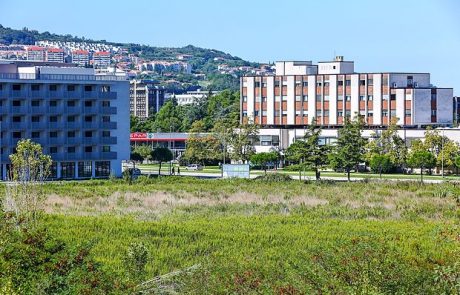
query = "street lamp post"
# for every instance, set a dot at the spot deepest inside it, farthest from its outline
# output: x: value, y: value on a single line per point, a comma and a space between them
x: 442, y: 154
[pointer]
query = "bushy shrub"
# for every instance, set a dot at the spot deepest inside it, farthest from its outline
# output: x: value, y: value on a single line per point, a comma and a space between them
x: 274, y: 177
x: 381, y: 164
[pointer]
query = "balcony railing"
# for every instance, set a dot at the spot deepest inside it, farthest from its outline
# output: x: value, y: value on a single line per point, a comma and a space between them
x: 64, y: 77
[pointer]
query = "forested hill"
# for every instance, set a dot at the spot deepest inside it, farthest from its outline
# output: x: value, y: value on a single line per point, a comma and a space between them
x: 200, y: 58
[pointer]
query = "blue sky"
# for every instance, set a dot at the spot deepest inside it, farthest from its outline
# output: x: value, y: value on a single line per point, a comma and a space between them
x: 411, y: 35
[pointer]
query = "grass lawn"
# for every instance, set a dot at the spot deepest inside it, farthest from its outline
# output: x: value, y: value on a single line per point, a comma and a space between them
x: 260, y: 237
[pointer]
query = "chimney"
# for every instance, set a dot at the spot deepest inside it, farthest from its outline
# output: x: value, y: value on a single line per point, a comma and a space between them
x: 339, y: 58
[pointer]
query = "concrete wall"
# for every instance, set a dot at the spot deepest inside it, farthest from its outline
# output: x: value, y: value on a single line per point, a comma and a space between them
x: 422, y: 102
x: 444, y: 105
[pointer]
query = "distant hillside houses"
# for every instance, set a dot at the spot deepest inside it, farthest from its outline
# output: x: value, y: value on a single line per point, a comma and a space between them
x: 160, y: 66
x: 72, y: 46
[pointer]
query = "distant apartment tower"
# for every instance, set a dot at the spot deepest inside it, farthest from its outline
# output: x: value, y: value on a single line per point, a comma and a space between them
x: 332, y: 91
x: 36, y: 53
x: 101, y: 59
x: 146, y: 98
x: 55, y: 55
x: 79, y: 118
x: 80, y: 57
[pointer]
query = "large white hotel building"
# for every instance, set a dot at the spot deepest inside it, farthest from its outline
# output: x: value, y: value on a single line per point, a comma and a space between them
x: 81, y: 119
x: 330, y: 91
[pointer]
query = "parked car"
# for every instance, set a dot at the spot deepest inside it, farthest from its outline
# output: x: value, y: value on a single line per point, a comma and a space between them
x: 194, y: 167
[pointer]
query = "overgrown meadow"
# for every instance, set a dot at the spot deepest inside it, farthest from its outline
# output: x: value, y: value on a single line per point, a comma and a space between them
x: 264, y: 236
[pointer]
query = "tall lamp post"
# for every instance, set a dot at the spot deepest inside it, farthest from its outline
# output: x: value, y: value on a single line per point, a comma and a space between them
x: 442, y: 154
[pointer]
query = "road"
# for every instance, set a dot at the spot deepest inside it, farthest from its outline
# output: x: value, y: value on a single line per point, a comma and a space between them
x: 202, y: 174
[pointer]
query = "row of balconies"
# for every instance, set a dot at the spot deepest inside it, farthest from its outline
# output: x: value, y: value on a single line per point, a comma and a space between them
x: 45, y: 141
x: 77, y: 156
x: 57, y: 94
x: 57, y: 125
x: 16, y: 110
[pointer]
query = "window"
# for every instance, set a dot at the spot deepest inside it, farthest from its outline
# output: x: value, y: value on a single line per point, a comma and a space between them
x: 88, y: 103
x: 298, y: 113
x: 53, y: 103
x: 71, y: 134
x: 106, y: 148
x: 277, y: 83
x: 339, y: 114
x: 88, y: 133
x: 70, y: 87
x: 245, y: 113
x: 35, y: 134
x: 326, y: 84
x: 35, y: 103
x: 256, y: 113
x: 347, y: 82
x: 319, y: 84
x: 370, y: 114
x: 305, y: 98
x: 385, y: 97
x: 284, y: 98
x: 16, y: 87
x: 305, y: 84
x: 277, y: 113
x: 264, y: 98
x: 53, y: 87
x: 88, y: 88
x: 53, y: 119
x: 407, y: 112
x: 16, y: 103
x: 70, y: 118
x: 102, y: 168
x: 53, y: 134
x: 17, y: 119
x: 361, y: 97
x: 264, y: 113
x: 370, y: 82
x: 68, y: 170
x: 88, y: 119
x: 106, y: 103
x: 326, y: 98
x: 393, y: 113
x: 257, y: 84
x: 392, y: 96
x: 298, y: 98
x: 347, y: 113
x: 384, y: 113
x: 245, y: 98
x: 71, y: 103
x: 17, y: 134
x: 370, y: 97
x: 258, y: 98
x: 362, y: 82
x: 35, y: 87
x: 340, y: 97
x: 264, y: 84
x: 433, y: 97
x: 35, y: 118
x: 71, y: 149
x: 285, y: 113
x: 277, y: 98
x: 433, y: 113
x: 347, y: 97
x: 318, y: 113
x: 88, y: 149
x: 53, y: 170
x: 318, y: 98
x: 105, y: 133
x: 85, y: 169
x: 339, y: 83
x: 53, y: 149
x: 326, y: 113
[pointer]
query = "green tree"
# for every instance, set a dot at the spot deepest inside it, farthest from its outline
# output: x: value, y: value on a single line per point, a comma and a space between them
x: 144, y: 151
x: 223, y: 131
x: 388, y: 143
x: 168, y: 117
x: 316, y: 154
x: 264, y: 159
x: 381, y: 164
x: 422, y: 160
x: 161, y: 154
x: 349, y: 147
x: 29, y: 169
x: 241, y: 145
x: 296, y: 153
x: 457, y: 162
